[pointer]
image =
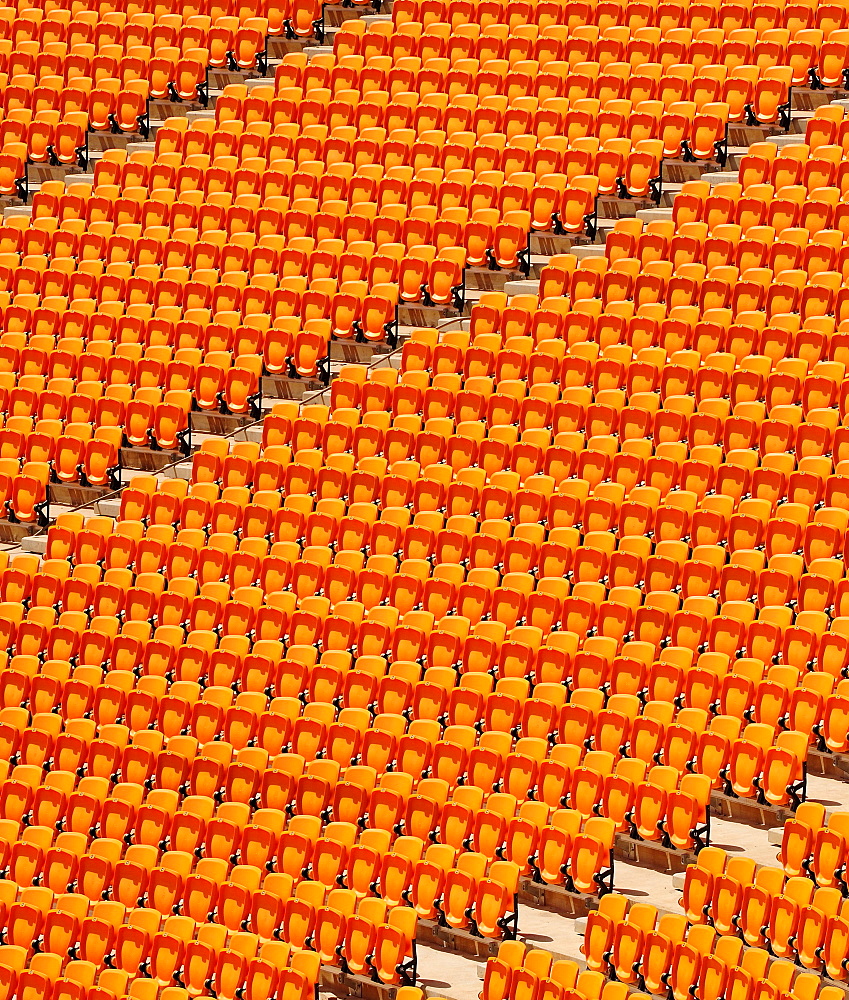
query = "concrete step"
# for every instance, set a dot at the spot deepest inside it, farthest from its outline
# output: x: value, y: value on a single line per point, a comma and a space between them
x: 100, y: 141
x: 655, y: 215
x: 594, y: 250
x: 279, y: 46
x: 260, y: 81
x: 722, y: 177
x: 805, y: 99
x: 85, y: 179
x: 16, y: 211
x: 525, y: 287
x: 671, y: 190
x: 38, y: 173
x: 786, y: 139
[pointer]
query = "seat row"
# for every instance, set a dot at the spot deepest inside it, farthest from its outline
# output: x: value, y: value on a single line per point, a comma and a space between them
x: 23, y: 491
x: 127, y: 338
x: 586, y: 666
x: 825, y: 128
x: 552, y: 663
x: 654, y: 809
x: 165, y: 416
x: 457, y: 542
x: 718, y: 207
x: 817, y: 248
x: 235, y: 905
x: 798, y: 644
x: 58, y: 366
x: 193, y: 293
x: 818, y: 175
x: 185, y: 250
x: 48, y: 139
x: 788, y: 252
x: 540, y: 480
x: 350, y: 312
x: 388, y: 193
x: 211, y: 251
x: 551, y: 20
x: 684, y: 328
x: 109, y: 103
x: 34, y: 12
x: 182, y: 293
x: 59, y: 28
x: 245, y: 964
x: 295, y: 849
x: 91, y: 928
x: 223, y: 231
x: 521, y: 96
x: 555, y: 390
x: 637, y: 945
x: 499, y: 352
x: 514, y: 159
x: 78, y: 980
x: 519, y: 972
x: 427, y: 138
x: 144, y: 47
x: 710, y: 963
x: 769, y: 486
x: 815, y: 167
x: 306, y: 217
x: 74, y: 454
x: 547, y: 400
x: 730, y: 45
x: 100, y: 409
x: 619, y: 332
x: 814, y: 253
x: 617, y: 735
x: 815, y: 846
x: 573, y: 504
x: 359, y: 527
x: 441, y: 86
x: 84, y: 70
x: 754, y: 290
x: 218, y: 254
x: 790, y: 916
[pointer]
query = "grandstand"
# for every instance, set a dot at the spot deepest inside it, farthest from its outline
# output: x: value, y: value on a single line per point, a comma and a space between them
x: 424, y: 467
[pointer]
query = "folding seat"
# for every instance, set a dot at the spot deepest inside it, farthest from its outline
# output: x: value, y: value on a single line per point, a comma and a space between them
x: 686, y: 820
x: 659, y: 947
x: 755, y: 903
x: 628, y: 942
x: 700, y: 899
x: 650, y: 805
x: 495, y: 901
x: 394, y: 942
x: 428, y: 881
x: 783, y: 770
x: 687, y: 959
x: 827, y: 851
x: 28, y: 501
